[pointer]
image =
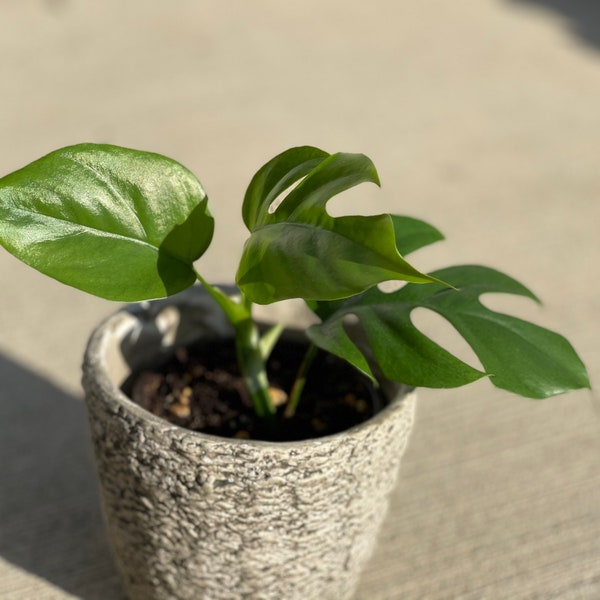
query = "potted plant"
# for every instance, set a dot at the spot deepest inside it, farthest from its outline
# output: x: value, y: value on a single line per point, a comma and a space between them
x: 295, y: 512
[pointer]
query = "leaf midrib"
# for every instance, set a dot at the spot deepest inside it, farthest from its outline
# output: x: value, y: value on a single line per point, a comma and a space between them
x: 386, y: 261
x: 112, y: 188
x: 488, y: 316
x: 102, y: 232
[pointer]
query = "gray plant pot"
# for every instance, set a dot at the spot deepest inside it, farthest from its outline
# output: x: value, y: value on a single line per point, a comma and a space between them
x: 194, y: 516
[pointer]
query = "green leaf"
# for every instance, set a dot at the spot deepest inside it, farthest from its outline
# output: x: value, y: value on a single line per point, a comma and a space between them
x: 332, y: 336
x: 121, y: 224
x: 519, y: 356
x: 274, y: 178
x: 413, y: 234
x: 300, y: 251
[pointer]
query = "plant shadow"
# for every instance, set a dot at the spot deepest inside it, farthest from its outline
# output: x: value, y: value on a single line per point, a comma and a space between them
x: 51, y: 523
x: 582, y: 17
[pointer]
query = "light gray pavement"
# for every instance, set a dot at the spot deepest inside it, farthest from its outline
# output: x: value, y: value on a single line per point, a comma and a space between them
x: 482, y: 117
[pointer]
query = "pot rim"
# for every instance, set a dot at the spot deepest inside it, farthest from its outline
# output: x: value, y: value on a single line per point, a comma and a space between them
x: 119, y: 322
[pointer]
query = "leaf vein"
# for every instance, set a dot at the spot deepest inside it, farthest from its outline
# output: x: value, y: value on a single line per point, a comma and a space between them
x: 107, y: 183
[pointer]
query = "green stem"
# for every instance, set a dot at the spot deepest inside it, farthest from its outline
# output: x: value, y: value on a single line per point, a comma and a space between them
x: 298, y: 387
x: 250, y: 358
x: 234, y: 311
x: 253, y: 368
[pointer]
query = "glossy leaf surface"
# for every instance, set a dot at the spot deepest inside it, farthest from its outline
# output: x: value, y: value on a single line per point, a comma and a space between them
x: 297, y: 250
x: 121, y: 224
x: 518, y: 356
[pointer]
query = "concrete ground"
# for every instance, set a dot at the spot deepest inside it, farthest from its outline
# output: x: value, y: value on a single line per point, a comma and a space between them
x: 482, y: 117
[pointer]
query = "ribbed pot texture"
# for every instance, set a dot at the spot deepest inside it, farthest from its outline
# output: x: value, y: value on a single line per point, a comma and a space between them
x: 194, y: 516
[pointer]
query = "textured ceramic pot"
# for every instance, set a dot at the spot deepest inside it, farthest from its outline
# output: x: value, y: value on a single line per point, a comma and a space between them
x: 193, y: 516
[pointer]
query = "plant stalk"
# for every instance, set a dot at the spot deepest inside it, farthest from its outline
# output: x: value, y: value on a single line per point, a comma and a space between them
x: 299, y: 382
x: 250, y: 357
x: 253, y: 368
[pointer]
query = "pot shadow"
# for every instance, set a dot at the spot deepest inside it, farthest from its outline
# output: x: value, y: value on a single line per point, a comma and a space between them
x: 582, y: 17
x: 51, y: 524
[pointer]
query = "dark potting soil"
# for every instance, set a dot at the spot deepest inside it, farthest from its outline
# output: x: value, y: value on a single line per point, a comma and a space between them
x: 200, y: 388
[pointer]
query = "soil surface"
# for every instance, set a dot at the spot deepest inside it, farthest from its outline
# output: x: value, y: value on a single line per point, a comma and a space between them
x: 200, y: 388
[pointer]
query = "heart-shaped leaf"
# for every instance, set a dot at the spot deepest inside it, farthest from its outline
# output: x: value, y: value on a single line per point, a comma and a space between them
x: 298, y: 250
x: 121, y: 224
x: 520, y: 357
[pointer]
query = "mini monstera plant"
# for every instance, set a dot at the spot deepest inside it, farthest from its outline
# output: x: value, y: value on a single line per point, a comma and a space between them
x: 129, y: 225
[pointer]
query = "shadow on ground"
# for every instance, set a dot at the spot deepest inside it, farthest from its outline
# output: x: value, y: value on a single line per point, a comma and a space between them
x: 582, y: 17
x: 50, y: 521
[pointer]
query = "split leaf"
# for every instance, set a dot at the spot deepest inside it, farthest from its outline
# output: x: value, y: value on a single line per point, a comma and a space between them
x: 518, y: 356
x: 297, y: 250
